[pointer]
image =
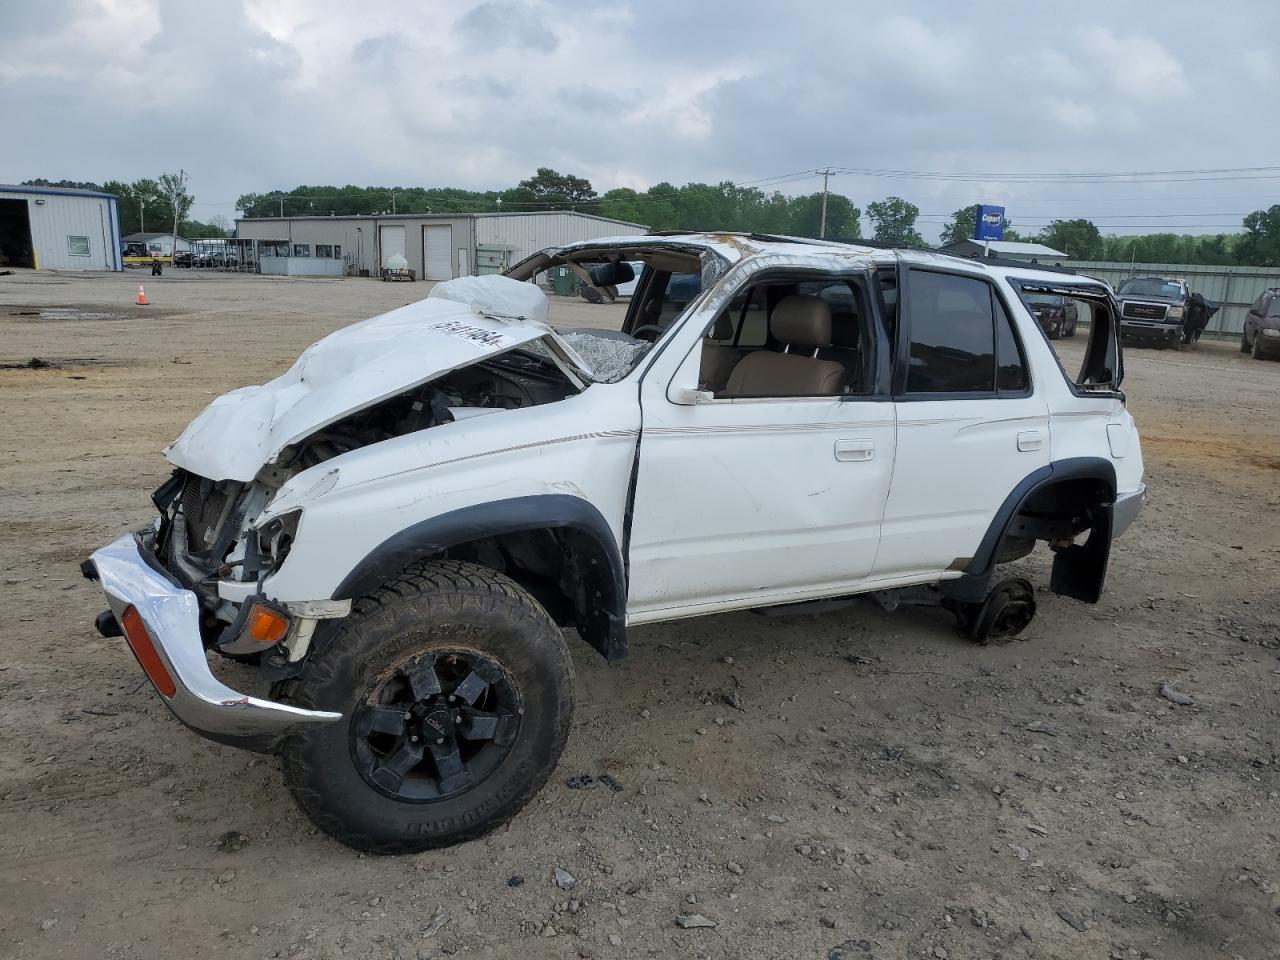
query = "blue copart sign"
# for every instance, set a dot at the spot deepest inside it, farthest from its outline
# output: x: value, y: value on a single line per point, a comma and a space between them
x: 989, y: 224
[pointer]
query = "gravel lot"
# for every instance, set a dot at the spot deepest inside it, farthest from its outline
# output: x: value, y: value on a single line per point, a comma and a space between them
x: 880, y: 789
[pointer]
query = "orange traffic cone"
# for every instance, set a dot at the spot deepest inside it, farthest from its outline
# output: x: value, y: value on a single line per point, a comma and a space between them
x: 142, y: 296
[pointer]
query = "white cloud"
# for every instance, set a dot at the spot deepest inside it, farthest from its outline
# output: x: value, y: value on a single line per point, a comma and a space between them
x: 1138, y: 66
x: 1073, y: 114
x: 263, y: 94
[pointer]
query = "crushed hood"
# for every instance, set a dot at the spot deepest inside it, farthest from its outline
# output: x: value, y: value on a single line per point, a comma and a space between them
x: 459, y: 323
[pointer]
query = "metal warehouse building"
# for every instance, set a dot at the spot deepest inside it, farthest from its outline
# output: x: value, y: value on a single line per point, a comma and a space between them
x: 436, y: 246
x: 53, y: 228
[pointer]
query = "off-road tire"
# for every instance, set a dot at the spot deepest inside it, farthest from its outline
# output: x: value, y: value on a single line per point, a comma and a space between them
x: 434, y: 605
x: 1244, y: 342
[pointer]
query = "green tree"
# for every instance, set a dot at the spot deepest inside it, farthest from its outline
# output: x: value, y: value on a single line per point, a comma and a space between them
x: 64, y: 184
x: 622, y: 203
x: 143, y: 205
x: 1260, y: 244
x: 963, y: 223
x: 174, y: 186
x: 549, y: 190
x: 195, y: 230
x: 843, y: 218
x: 1079, y: 238
x: 895, y: 222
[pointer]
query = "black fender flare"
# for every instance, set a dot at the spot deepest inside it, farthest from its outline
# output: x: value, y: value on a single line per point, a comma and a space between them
x: 600, y: 600
x: 973, y: 585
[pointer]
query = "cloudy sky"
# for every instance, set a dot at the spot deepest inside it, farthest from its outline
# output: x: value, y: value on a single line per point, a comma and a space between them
x: 996, y: 97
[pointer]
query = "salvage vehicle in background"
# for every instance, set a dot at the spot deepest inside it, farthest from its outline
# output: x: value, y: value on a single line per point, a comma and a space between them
x: 1152, y: 309
x: 1056, y: 314
x: 1261, y: 334
x: 398, y: 529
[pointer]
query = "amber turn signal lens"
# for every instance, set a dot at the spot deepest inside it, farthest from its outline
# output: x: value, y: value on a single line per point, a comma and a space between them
x: 267, y: 625
x: 135, y: 631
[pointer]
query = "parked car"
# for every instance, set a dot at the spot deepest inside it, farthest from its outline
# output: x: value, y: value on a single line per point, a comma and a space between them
x: 1057, y: 314
x: 1261, y: 334
x: 395, y: 531
x: 1152, y: 308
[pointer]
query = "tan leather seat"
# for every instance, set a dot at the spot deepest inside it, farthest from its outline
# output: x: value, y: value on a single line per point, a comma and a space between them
x: 803, y: 325
x: 718, y: 357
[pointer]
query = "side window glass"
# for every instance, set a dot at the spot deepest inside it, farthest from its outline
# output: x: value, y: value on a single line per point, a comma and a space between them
x: 952, y: 335
x: 772, y: 340
x: 680, y: 291
x: 748, y: 314
x: 887, y: 289
x: 1011, y: 370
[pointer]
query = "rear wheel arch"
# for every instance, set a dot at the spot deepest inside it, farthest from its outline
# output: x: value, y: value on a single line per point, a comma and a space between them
x: 1056, y: 501
x: 558, y: 547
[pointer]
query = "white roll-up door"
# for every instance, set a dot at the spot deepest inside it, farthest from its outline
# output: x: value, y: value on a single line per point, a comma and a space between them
x: 437, y: 246
x: 391, y: 241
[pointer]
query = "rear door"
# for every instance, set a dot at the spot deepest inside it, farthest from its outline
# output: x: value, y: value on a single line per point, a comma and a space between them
x: 970, y: 425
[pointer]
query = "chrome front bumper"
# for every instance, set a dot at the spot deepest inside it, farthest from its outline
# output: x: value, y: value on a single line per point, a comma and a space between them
x: 172, y: 618
x: 1126, y: 509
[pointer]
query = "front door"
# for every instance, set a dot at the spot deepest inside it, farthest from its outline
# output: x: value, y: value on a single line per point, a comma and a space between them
x: 970, y: 424
x: 746, y: 500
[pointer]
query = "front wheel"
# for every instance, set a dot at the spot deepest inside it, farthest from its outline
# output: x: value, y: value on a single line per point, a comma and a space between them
x: 456, y: 691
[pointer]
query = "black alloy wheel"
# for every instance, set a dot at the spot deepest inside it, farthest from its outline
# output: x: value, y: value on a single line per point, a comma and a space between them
x: 437, y: 725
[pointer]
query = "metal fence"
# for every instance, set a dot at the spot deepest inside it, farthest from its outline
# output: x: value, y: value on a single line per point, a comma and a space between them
x: 1233, y: 288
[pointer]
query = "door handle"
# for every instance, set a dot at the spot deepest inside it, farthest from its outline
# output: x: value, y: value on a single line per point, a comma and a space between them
x: 855, y: 449
x: 1029, y: 440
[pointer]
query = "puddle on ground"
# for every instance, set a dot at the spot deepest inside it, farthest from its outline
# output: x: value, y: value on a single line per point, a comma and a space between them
x: 63, y: 313
x: 57, y: 363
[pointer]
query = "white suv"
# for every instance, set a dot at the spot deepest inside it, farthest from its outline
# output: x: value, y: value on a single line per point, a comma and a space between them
x: 396, y: 529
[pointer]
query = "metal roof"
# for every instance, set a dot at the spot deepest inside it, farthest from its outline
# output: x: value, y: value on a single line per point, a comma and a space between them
x: 445, y: 216
x: 55, y: 191
x: 1010, y: 247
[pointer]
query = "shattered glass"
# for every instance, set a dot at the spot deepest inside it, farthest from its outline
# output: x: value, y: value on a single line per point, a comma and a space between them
x: 609, y: 359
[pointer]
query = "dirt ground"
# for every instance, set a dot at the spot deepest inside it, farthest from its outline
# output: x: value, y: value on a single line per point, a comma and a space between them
x: 882, y: 788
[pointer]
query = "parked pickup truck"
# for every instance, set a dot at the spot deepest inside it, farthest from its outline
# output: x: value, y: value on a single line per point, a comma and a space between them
x: 1153, y: 309
x: 398, y: 530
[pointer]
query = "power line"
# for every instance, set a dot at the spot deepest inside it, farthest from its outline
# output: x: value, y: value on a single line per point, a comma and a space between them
x: 1132, y: 176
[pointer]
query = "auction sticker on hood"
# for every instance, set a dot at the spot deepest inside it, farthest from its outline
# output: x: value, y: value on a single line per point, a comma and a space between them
x: 465, y: 331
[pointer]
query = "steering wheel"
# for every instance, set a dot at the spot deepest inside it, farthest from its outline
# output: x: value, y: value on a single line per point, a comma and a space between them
x: 654, y: 328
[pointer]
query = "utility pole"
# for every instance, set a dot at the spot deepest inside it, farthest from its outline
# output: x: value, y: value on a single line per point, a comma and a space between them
x: 142, y: 215
x: 393, y: 203
x: 281, y: 199
x: 822, y: 227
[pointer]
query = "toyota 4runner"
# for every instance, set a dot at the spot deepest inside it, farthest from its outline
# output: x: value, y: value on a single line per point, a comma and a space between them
x: 395, y: 531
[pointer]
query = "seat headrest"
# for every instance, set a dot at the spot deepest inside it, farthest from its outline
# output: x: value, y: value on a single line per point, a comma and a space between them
x: 722, y: 329
x: 801, y: 321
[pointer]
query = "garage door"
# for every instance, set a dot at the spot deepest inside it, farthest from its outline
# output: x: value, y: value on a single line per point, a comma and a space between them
x: 437, y: 244
x: 391, y: 242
